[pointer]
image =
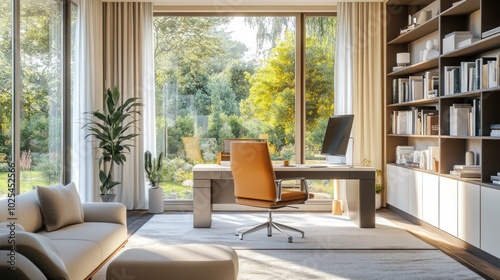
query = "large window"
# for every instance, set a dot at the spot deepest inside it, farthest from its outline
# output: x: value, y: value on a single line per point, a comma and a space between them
x: 236, y: 77
x: 39, y: 77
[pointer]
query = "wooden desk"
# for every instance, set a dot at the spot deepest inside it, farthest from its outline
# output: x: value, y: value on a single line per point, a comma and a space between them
x: 213, y: 184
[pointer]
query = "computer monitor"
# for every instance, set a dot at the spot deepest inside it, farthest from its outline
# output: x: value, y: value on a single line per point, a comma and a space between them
x: 338, y: 132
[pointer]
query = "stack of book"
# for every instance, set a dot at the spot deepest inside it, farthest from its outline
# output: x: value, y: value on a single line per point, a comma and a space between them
x: 495, y: 129
x: 421, y: 120
x: 404, y: 154
x: 495, y: 179
x: 457, y: 39
x: 466, y: 171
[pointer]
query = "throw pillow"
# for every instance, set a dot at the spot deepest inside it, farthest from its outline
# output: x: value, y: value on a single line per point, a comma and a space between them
x: 60, y: 206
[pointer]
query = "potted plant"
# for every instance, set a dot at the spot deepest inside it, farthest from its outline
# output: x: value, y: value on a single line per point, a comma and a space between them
x: 110, y: 128
x: 378, y: 188
x: 152, y: 167
x: 378, y: 184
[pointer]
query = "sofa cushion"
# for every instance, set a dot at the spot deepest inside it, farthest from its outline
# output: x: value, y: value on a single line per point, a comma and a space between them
x: 107, y: 236
x: 83, y: 258
x: 60, y: 206
x: 26, y: 211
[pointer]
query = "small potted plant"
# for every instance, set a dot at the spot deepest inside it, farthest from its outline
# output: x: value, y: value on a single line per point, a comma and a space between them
x: 152, y: 167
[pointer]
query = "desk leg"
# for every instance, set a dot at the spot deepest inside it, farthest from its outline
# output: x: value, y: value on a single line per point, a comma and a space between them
x: 361, y: 203
x: 202, y: 204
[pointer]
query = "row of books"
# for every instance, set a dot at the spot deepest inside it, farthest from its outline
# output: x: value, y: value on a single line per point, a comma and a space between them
x: 424, y: 159
x: 415, y: 87
x: 466, y: 171
x: 465, y: 119
x: 422, y: 120
x: 472, y: 75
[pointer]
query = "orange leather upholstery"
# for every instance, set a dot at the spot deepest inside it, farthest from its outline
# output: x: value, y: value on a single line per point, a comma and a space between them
x: 254, y: 178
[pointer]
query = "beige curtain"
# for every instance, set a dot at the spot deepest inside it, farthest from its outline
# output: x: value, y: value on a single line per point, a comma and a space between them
x: 128, y: 64
x: 361, y: 30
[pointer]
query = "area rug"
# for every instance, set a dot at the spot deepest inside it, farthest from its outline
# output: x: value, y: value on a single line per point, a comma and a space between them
x: 333, y: 247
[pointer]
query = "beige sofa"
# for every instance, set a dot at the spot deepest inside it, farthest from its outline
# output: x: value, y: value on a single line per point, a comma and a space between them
x: 72, y: 252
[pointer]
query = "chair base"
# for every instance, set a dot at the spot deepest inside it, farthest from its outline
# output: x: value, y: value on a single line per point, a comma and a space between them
x: 269, y: 225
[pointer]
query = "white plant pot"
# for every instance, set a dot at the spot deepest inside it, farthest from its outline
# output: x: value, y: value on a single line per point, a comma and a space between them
x: 378, y: 200
x: 155, y: 200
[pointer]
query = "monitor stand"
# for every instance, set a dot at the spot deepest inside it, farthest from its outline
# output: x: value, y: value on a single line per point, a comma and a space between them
x: 337, y: 161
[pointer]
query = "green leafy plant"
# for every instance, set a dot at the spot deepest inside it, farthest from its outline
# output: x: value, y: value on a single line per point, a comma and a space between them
x: 110, y: 128
x: 378, y: 177
x: 152, y: 166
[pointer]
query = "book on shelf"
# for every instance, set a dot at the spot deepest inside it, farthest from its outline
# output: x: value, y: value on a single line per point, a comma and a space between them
x: 496, y: 182
x: 431, y: 83
x: 451, y: 40
x: 460, y: 119
x: 466, y: 167
x: 416, y: 84
x: 432, y: 126
x: 495, y: 177
x: 481, y: 72
x: 466, y: 42
x: 451, y: 80
x: 495, y: 133
x: 465, y: 72
x: 465, y: 175
x: 491, y: 32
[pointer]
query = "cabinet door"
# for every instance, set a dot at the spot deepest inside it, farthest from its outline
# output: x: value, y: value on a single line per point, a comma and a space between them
x: 391, y: 184
x: 448, y: 197
x: 469, y: 213
x: 415, y: 193
x: 430, y: 199
x: 490, y: 220
x: 397, y: 183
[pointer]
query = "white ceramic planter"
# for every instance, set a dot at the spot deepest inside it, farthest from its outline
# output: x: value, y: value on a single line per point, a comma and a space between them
x: 378, y: 200
x: 155, y: 200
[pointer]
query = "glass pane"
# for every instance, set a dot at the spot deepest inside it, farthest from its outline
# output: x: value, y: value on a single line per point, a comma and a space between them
x: 319, y: 67
x: 5, y: 91
x: 221, y: 77
x: 40, y: 93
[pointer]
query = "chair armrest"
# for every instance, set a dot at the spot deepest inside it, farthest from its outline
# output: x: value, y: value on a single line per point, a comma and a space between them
x: 107, y: 212
x: 303, y: 186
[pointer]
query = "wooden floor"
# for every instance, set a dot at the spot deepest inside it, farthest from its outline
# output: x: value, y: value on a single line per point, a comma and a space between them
x: 137, y: 218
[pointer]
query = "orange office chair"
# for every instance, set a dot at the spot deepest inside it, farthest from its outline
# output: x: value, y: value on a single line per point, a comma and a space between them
x: 255, y: 184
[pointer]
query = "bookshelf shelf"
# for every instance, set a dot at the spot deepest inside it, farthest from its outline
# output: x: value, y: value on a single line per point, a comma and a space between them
x: 419, y: 31
x: 418, y: 67
x: 476, y: 48
x: 462, y: 8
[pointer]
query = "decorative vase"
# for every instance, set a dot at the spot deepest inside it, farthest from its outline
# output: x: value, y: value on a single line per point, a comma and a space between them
x: 378, y: 200
x: 155, y: 200
x: 108, y: 197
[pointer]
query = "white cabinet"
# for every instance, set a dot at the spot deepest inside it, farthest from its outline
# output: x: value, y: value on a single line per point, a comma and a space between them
x: 415, y: 203
x: 469, y: 213
x: 430, y: 199
x: 490, y: 221
x: 448, y: 198
x: 397, y: 187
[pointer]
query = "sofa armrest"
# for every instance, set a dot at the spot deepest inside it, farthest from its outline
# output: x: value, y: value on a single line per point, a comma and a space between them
x: 38, y: 250
x: 108, y: 212
x: 19, y: 268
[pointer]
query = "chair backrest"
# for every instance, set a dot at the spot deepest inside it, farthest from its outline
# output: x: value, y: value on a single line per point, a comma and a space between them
x: 253, y: 172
